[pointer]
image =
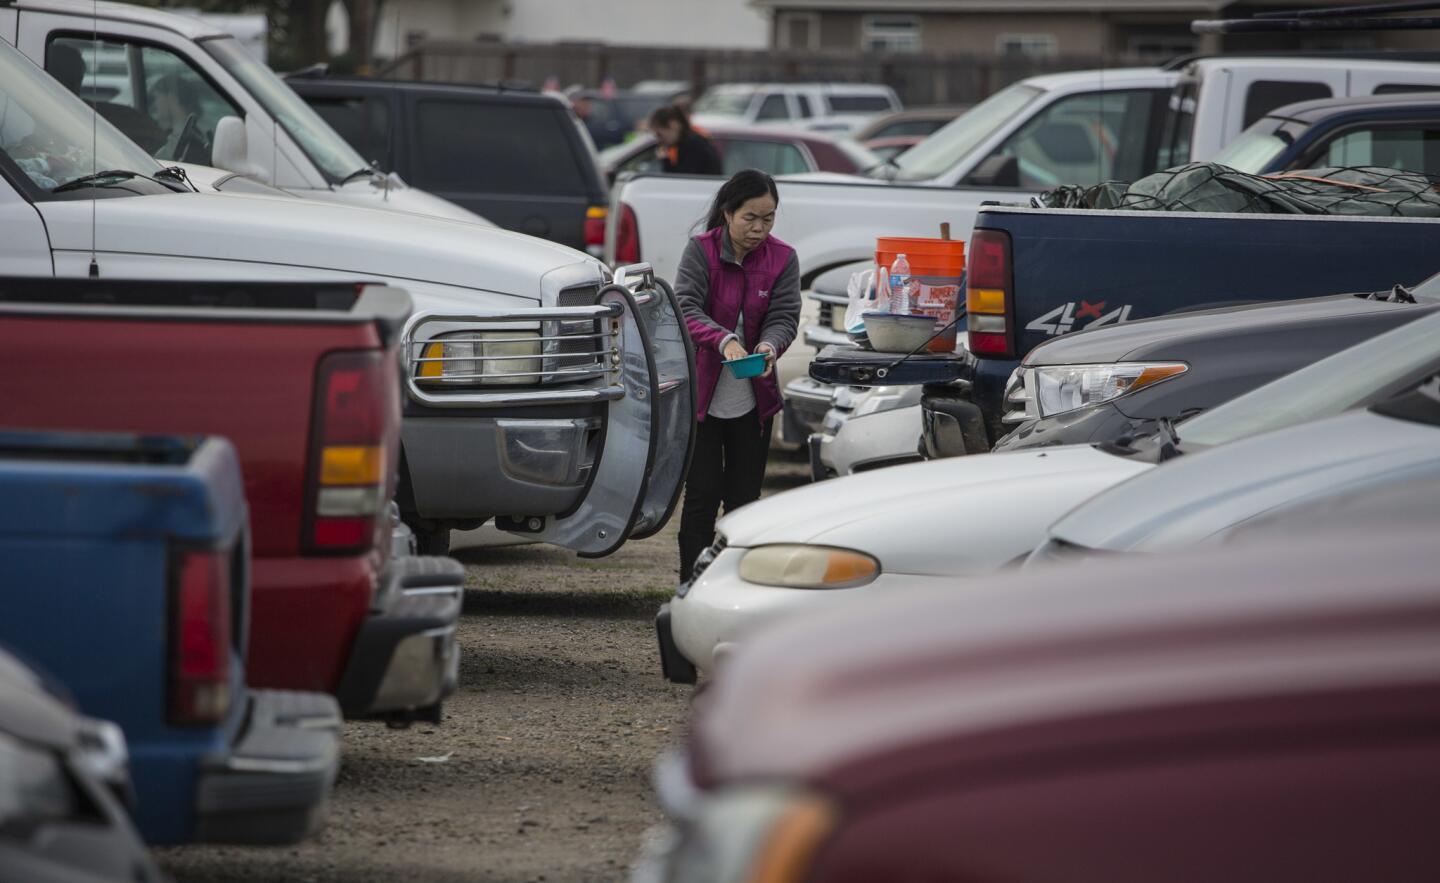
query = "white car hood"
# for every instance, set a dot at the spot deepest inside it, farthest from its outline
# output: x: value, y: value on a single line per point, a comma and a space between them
x: 400, y: 197
x: 943, y: 517
x: 311, y: 234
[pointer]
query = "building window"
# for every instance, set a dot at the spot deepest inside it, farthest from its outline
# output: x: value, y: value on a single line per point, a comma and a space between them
x: 1035, y: 45
x: 890, y: 33
x: 1160, y: 47
x: 797, y: 30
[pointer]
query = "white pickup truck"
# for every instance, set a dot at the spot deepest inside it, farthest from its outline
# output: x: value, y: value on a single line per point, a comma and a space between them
x: 538, y: 392
x: 1075, y: 128
x: 187, y: 91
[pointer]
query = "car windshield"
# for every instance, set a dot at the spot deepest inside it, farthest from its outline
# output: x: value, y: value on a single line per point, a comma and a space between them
x: 336, y: 159
x: 1255, y: 149
x: 52, y: 136
x: 730, y: 103
x: 1327, y: 387
x: 941, y: 151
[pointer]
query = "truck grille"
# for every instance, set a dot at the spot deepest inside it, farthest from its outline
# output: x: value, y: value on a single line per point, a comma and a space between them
x: 577, y: 350
x: 827, y: 315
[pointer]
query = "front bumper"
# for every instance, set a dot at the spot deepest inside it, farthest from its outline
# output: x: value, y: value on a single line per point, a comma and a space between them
x: 273, y: 786
x: 861, y: 442
x: 806, y: 402
x: 405, y: 659
x: 470, y: 468
x: 950, y: 424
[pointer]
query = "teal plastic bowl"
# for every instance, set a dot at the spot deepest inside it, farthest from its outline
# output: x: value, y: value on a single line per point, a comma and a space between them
x: 752, y: 365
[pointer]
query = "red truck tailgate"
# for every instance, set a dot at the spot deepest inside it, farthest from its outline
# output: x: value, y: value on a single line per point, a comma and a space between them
x: 247, y: 373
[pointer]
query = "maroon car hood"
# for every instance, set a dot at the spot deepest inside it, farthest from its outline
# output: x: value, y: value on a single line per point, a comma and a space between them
x: 1026, y: 651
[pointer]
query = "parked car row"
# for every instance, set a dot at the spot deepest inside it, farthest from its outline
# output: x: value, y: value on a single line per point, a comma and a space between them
x: 1152, y: 618
x: 227, y: 504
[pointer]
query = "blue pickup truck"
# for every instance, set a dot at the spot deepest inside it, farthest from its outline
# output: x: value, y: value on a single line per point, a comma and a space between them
x: 124, y: 574
x: 1037, y: 273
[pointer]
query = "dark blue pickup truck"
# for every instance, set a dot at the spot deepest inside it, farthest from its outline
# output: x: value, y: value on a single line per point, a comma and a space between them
x: 1037, y: 273
x: 124, y: 573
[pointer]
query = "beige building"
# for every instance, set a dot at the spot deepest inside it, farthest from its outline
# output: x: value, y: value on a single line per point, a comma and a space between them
x: 1137, y: 29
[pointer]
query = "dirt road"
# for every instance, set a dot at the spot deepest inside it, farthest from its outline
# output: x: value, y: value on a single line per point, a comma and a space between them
x: 541, y: 769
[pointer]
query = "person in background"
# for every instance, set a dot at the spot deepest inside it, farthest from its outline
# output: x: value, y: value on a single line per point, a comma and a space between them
x: 584, y: 108
x: 739, y: 288
x: 682, y: 149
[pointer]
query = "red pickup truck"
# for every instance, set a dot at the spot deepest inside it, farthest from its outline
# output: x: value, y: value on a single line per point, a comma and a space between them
x: 304, y: 379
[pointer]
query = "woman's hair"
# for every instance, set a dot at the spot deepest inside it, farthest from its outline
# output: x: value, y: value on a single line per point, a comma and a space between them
x: 666, y: 114
x: 742, y: 187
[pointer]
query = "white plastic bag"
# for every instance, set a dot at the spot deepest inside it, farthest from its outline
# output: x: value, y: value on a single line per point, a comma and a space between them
x: 861, y: 290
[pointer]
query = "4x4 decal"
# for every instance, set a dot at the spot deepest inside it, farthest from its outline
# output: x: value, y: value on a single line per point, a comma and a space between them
x: 1064, y: 318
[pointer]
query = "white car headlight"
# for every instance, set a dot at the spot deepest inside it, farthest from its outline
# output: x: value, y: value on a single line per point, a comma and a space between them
x: 1061, y: 388
x: 808, y: 567
x: 491, y: 358
x: 749, y: 833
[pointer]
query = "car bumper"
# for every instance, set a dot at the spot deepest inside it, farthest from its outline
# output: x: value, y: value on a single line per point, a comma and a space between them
x: 870, y: 441
x: 950, y: 424
x: 273, y: 786
x: 405, y: 659
x: 719, y: 609
x: 806, y: 402
x: 467, y: 467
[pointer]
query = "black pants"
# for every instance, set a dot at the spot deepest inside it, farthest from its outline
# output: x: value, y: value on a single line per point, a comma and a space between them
x: 728, y: 467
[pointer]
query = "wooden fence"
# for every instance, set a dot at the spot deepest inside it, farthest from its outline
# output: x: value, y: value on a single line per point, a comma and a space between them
x: 919, y: 79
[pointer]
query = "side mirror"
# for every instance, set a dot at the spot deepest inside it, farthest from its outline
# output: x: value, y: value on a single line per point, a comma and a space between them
x: 230, y: 148
x: 997, y: 170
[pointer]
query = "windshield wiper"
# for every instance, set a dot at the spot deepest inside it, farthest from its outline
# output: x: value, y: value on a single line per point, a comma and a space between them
x: 1398, y: 295
x: 367, y: 172
x: 1169, y: 442
x: 90, y: 180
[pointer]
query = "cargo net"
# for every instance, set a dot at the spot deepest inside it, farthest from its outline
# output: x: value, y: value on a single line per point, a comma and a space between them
x: 1207, y: 187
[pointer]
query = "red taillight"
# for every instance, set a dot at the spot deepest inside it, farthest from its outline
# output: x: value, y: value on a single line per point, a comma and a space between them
x: 200, y: 637
x: 627, y: 237
x: 987, y: 294
x: 348, y: 461
x: 595, y: 229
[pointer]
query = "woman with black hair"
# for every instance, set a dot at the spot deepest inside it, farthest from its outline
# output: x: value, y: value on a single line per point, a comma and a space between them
x: 739, y: 288
x: 682, y: 150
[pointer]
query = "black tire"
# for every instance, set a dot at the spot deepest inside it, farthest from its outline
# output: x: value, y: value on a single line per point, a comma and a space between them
x: 431, y: 541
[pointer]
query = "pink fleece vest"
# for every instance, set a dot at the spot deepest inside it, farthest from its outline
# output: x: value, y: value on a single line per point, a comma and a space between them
x: 730, y: 287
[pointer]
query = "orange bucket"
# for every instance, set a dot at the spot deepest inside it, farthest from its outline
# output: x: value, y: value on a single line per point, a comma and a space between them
x: 939, y: 266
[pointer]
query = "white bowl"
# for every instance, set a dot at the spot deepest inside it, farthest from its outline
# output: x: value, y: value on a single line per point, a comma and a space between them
x: 898, y: 332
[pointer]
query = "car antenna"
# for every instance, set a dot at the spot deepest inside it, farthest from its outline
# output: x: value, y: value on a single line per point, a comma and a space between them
x: 94, y: 272
x: 394, y: 79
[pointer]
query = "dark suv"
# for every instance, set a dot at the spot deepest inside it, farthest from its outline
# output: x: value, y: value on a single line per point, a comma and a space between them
x: 516, y: 156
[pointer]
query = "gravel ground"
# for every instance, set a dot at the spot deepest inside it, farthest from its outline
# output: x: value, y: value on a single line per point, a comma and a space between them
x: 541, y: 769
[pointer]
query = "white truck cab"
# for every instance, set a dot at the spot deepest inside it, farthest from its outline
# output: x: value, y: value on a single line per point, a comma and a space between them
x: 187, y: 91
x: 538, y: 390
x: 842, y: 107
x: 1218, y: 98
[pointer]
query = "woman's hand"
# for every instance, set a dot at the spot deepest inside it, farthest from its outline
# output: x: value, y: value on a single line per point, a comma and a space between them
x: 733, y: 350
x: 769, y: 352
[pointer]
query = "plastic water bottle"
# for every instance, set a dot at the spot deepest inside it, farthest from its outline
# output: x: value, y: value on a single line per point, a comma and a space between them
x: 900, y: 285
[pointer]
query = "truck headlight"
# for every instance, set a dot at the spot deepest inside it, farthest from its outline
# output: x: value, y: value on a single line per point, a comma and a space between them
x: 752, y: 833
x: 1061, y: 388
x: 808, y: 567
x: 491, y: 358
